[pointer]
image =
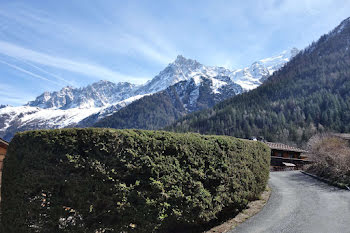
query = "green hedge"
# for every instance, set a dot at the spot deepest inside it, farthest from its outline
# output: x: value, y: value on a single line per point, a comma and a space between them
x: 103, y: 180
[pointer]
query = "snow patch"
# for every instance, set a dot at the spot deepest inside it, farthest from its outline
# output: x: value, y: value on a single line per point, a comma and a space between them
x: 69, y: 106
x: 217, y: 84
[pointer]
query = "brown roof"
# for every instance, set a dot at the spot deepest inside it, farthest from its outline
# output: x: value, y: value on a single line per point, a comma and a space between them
x: 283, y: 147
x: 3, y: 142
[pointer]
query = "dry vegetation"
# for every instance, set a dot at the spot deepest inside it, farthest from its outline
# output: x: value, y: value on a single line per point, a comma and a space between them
x: 332, y: 158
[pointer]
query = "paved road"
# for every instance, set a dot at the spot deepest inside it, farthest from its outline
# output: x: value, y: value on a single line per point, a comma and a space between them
x: 301, y: 204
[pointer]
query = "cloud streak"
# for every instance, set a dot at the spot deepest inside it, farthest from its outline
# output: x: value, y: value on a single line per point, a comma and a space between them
x: 80, y: 42
x: 87, y: 69
x: 150, y: 45
x: 12, y: 95
x: 29, y: 73
x: 46, y: 72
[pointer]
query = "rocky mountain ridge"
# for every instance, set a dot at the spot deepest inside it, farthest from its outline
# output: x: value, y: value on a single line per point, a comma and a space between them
x: 71, y: 107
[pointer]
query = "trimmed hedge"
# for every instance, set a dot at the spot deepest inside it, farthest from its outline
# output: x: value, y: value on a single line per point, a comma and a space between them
x: 104, y: 180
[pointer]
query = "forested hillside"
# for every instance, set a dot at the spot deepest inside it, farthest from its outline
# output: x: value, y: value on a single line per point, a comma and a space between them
x: 163, y: 108
x: 150, y: 112
x: 192, y: 87
x: 309, y: 94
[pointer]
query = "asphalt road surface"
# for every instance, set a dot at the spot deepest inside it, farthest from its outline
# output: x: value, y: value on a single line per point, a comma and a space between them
x: 300, y: 203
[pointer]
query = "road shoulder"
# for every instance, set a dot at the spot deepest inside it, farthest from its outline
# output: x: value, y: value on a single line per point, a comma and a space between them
x: 254, y: 207
x: 341, y: 186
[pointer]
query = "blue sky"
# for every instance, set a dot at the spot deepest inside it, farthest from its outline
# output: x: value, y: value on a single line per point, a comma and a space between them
x: 46, y: 45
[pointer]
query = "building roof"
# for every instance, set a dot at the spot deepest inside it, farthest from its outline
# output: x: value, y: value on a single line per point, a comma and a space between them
x: 3, y: 143
x: 284, y: 147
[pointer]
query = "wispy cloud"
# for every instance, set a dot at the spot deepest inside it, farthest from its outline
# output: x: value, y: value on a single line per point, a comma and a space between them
x: 86, y: 69
x: 81, y: 41
x: 29, y: 73
x: 12, y: 95
x: 119, y: 40
x: 144, y: 48
x: 47, y: 72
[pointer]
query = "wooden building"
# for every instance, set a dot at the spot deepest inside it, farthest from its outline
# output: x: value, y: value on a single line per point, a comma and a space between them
x: 287, y: 156
x: 3, y: 150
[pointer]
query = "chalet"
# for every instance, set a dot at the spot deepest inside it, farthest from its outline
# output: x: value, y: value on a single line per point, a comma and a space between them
x: 3, y: 150
x: 287, y: 156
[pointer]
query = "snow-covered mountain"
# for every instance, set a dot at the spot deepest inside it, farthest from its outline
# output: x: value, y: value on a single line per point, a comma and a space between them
x: 165, y: 107
x: 200, y: 92
x: 252, y: 76
x: 84, y: 106
x: 96, y: 95
x: 15, y: 119
x: 184, y: 69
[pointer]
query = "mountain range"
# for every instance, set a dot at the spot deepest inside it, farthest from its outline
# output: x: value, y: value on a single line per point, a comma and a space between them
x: 310, y: 94
x: 185, y: 85
x: 165, y: 107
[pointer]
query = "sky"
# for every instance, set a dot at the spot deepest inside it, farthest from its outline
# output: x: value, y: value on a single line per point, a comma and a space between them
x: 46, y: 45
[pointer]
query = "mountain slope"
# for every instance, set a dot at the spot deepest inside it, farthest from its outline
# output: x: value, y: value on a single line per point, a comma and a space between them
x: 310, y: 93
x: 197, y: 87
x: 66, y: 108
x: 254, y: 75
x: 183, y: 69
x: 97, y: 94
x: 22, y: 118
x: 71, y: 107
x: 163, y: 108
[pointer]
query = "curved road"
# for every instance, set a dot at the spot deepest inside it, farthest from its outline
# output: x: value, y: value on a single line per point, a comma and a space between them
x: 300, y: 203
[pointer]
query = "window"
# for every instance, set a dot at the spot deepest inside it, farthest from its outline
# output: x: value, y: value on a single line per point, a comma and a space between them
x: 278, y: 154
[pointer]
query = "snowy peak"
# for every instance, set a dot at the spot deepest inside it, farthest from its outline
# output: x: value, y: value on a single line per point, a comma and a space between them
x: 180, y: 59
x: 56, y: 99
x: 180, y: 70
x: 183, y: 62
x: 252, y: 76
x: 201, y: 92
x: 198, y: 87
x: 98, y: 94
x: 184, y: 69
x: 277, y: 61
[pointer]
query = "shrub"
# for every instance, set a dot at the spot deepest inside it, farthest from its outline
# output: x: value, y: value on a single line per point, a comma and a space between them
x: 104, y: 180
x: 331, y: 154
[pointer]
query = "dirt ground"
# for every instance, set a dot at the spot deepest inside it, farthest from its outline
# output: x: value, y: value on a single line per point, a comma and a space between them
x: 253, y: 208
